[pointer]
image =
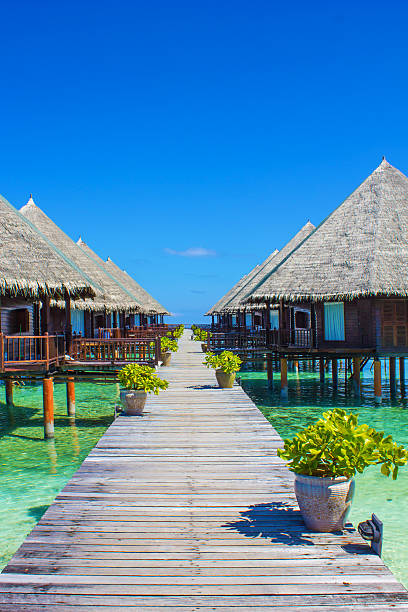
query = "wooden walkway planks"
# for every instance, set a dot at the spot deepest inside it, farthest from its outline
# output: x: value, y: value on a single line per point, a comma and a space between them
x: 189, y: 508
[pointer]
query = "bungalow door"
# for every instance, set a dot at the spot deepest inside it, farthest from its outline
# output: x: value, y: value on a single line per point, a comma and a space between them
x: 394, y: 323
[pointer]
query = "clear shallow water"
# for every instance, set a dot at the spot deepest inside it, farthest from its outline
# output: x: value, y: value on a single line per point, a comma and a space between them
x: 388, y: 499
x: 32, y: 470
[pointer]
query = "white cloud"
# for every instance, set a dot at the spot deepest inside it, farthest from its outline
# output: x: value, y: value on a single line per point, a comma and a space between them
x: 192, y: 252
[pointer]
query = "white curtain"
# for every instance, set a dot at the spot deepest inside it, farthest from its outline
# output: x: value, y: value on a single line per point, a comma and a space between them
x: 274, y: 319
x: 334, y: 321
x: 77, y: 321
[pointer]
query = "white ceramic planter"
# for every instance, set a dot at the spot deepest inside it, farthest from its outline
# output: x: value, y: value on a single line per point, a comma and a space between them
x: 166, y: 358
x: 224, y: 380
x: 324, y: 502
x: 133, y: 401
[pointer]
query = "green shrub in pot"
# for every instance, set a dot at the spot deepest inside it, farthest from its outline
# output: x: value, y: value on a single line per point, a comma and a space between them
x: 226, y: 365
x: 325, y: 458
x: 168, y: 346
x: 138, y: 381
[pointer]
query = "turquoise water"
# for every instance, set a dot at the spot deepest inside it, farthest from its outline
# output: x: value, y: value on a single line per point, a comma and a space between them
x: 32, y: 470
x: 374, y: 492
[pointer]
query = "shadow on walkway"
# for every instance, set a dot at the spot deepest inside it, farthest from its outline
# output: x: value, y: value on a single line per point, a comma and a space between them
x: 277, y: 521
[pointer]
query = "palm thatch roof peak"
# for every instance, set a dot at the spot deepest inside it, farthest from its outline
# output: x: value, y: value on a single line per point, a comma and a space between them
x: 268, y: 267
x: 360, y: 249
x: 147, y: 303
x: 110, y: 294
x: 31, y: 265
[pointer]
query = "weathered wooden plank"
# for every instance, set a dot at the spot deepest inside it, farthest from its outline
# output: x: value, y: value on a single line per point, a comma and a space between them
x: 189, y: 508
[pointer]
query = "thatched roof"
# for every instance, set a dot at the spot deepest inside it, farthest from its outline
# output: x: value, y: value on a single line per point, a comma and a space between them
x: 360, y: 249
x: 31, y: 265
x: 220, y: 306
x: 236, y: 301
x: 112, y: 295
x: 148, y: 304
x: 151, y: 305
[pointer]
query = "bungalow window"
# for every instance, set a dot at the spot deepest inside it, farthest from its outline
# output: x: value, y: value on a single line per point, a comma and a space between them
x: 274, y: 319
x: 20, y: 321
x: 301, y: 319
x: 334, y: 321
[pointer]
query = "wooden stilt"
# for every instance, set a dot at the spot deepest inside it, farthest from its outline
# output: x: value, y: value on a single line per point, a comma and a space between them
x: 48, y: 404
x: 321, y: 369
x: 377, y: 381
x: 9, y: 392
x: 392, y: 375
x: 356, y: 375
x: 402, y: 375
x: 71, y: 396
x: 284, y: 376
x: 269, y: 370
x: 334, y: 372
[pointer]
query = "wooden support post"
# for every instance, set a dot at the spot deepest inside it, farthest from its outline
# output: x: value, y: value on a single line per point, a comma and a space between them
x: 392, y: 375
x: 334, y: 372
x: 68, y: 326
x: 48, y: 405
x: 402, y: 375
x: 322, y: 369
x: 47, y: 351
x: 45, y: 314
x: 9, y: 391
x: 284, y: 377
x: 1, y: 352
x: 377, y: 381
x: 269, y: 370
x: 71, y: 396
x: 356, y: 374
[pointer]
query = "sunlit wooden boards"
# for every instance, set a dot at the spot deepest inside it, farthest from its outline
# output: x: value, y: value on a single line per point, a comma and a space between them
x: 189, y: 508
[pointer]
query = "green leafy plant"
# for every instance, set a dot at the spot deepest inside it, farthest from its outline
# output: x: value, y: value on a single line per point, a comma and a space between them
x: 201, y: 335
x: 168, y: 344
x: 178, y: 332
x: 226, y: 361
x: 142, y: 378
x: 336, y: 445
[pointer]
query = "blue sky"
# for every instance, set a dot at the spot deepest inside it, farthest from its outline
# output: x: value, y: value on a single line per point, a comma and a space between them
x: 187, y: 140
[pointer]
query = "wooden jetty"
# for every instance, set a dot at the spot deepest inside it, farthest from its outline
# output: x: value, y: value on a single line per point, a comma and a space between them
x: 189, y: 508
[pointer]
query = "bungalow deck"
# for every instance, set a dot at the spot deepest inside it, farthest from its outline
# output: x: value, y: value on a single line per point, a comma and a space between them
x: 189, y: 508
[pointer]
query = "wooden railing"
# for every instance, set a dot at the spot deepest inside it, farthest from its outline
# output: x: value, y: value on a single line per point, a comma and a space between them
x: 116, y: 350
x: 236, y: 341
x: 301, y: 338
x: 152, y: 331
x: 16, y: 351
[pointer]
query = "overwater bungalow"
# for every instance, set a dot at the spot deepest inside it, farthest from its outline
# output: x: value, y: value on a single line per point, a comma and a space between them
x: 88, y: 315
x: 349, y: 277
x: 257, y: 315
x: 33, y: 271
x: 151, y: 309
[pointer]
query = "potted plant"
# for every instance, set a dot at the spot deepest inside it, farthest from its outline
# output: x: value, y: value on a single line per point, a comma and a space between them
x: 325, y: 458
x: 201, y: 335
x: 178, y: 332
x: 226, y: 365
x: 138, y: 381
x: 168, y: 345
